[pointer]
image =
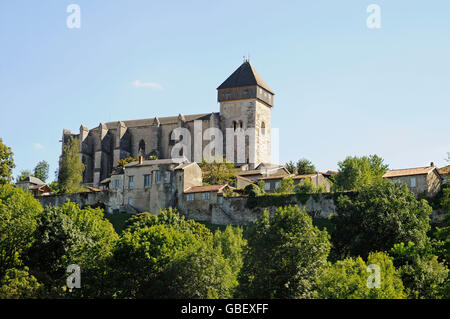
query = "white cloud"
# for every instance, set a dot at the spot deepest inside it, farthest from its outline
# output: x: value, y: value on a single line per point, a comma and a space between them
x: 38, y: 146
x: 152, y: 85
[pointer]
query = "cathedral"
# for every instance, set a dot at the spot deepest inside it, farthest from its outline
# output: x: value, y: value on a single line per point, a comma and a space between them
x: 245, y: 103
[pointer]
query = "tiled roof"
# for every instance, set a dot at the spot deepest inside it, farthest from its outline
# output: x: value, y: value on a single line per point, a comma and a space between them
x: 304, y: 176
x: 156, y: 162
x: 209, y: 188
x: 444, y: 170
x: 408, y: 171
x: 274, y: 177
x: 32, y: 180
x: 245, y: 75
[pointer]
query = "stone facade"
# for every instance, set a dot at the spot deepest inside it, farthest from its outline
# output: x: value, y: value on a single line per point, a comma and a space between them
x: 245, y: 103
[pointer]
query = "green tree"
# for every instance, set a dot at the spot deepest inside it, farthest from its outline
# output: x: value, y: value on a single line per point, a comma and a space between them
x: 19, y: 284
x: 284, y: 256
x: 356, y: 172
x: 23, y: 174
x: 349, y: 278
x: 301, y: 167
x: 71, y: 168
x: 422, y: 274
x: 19, y: 212
x: 6, y: 163
x: 215, y: 173
x: 377, y: 217
x: 197, y: 272
x: 286, y: 186
x: 231, y: 243
x: 67, y: 235
x: 41, y: 171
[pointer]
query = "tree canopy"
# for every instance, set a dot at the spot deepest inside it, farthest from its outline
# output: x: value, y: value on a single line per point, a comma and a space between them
x: 356, y: 172
x: 284, y: 255
x: 71, y: 168
x: 6, y: 163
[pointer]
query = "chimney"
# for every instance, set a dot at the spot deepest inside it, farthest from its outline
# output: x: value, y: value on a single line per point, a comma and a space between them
x: 432, y: 164
x: 141, y: 159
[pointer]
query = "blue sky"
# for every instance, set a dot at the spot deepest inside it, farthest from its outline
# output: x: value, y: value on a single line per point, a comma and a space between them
x: 341, y: 88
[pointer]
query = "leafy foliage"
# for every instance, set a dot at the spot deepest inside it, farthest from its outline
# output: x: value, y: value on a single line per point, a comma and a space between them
x: 284, y: 255
x: 41, y: 171
x: 19, y: 212
x: 348, y: 279
x: 286, y: 186
x: 71, y: 168
x: 422, y: 274
x: 301, y: 167
x: 18, y: 284
x: 377, y: 217
x: 6, y: 163
x: 68, y: 235
x: 215, y: 173
x: 356, y: 172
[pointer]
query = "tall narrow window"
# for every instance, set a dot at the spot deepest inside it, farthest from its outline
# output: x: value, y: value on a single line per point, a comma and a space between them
x: 166, y: 177
x: 413, y: 182
x: 263, y: 128
x: 158, y: 177
x: 234, y: 125
x: 130, y: 182
x: 146, y: 181
x: 141, y: 150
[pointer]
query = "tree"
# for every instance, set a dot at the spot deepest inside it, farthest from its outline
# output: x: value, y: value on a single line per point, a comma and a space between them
x: 349, y: 278
x: 377, y: 217
x: 422, y: 274
x: 197, y: 272
x: 215, y: 173
x: 71, y: 168
x: 283, y: 256
x: 67, y: 235
x: 18, y: 284
x: 356, y: 172
x: 231, y: 243
x: 23, y: 174
x: 286, y: 186
x: 19, y: 212
x: 41, y: 171
x: 6, y: 163
x: 301, y: 167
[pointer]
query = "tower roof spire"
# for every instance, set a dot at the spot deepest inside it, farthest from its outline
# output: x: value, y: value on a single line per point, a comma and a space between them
x: 245, y: 75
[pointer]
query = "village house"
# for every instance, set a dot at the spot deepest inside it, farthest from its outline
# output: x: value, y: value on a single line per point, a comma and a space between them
x: 245, y: 177
x: 34, y: 185
x: 272, y: 183
x: 421, y: 180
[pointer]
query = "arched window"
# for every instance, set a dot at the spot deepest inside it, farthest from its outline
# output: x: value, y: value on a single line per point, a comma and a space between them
x: 234, y: 125
x: 241, y: 125
x: 263, y: 128
x: 141, y: 150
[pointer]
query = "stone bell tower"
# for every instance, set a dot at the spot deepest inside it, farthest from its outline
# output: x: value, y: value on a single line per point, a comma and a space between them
x: 245, y: 104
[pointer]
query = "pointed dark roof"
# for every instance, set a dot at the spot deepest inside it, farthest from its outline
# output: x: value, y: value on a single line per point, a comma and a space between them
x: 244, y: 75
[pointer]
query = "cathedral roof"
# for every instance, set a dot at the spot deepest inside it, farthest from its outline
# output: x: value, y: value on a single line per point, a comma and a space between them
x: 245, y: 75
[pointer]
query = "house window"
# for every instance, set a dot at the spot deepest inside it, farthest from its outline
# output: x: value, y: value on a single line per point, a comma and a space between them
x: 220, y: 199
x: 158, y: 177
x: 166, y: 177
x: 277, y: 184
x: 413, y: 182
x: 190, y: 197
x: 117, y: 183
x: 130, y: 182
x: 146, y: 181
x: 130, y: 201
x: 267, y: 186
x: 206, y: 196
